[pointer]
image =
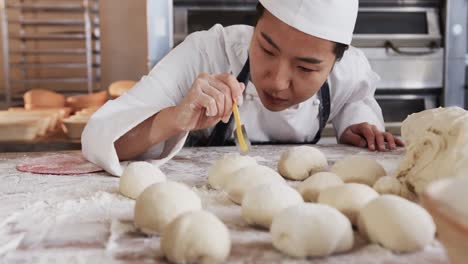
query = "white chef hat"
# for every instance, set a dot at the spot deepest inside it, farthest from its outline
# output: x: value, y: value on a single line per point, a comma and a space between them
x: 332, y: 20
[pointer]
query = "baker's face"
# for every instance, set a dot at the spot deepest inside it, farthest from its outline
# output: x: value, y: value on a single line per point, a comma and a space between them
x: 287, y: 66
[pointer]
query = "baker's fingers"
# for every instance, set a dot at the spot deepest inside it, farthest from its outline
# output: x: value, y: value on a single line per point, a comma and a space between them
x: 399, y: 142
x: 209, y: 103
x: 390, y: 140
x: 219, y: 98
x: 365, y: 130
x: 379, y: 138
x: 349, y: 137
x: 226, y: 91
x: 236, y: 87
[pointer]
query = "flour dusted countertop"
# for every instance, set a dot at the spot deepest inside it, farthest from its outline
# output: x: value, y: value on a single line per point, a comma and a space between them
x: 83, y: 219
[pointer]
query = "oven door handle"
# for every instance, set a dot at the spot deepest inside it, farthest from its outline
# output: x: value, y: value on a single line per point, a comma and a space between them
x: 433, y: 49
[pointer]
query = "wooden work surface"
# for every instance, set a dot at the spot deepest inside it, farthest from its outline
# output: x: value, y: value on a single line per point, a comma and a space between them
x: 83, y: 219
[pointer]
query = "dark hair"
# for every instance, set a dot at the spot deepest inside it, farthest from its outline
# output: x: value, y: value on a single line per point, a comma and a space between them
x: 339, y: 50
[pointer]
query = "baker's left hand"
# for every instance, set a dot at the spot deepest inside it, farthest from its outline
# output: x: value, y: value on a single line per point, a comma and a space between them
x: 365, y: 135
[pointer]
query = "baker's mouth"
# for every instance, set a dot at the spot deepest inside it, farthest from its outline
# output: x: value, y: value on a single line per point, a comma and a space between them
x: 274, y: 99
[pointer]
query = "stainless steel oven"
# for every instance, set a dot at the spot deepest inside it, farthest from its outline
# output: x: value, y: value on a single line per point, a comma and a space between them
x: 404, y: 40
x: 195, y: 15
x: 404, y: 46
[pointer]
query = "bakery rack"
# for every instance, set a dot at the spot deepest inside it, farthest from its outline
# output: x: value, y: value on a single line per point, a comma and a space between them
x: 50, y: 44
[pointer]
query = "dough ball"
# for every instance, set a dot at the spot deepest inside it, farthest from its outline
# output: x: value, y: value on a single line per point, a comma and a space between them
x: 396, y: 224
x: 196, y: 237
x: 311, y: 230
x: 262, y: 202
x: 298, y: 163
x: 348, y: 198
x: 161, y: 203
x: 388, y: 185
x: 391, y: 185
x: 358, y: 169
x: 311, y: 187
x: 242, y: 180
x: 137, y: 176
x: 223, y: 167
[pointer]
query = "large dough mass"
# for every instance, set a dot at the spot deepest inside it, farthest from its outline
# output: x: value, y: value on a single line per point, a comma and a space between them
x: 436, y: 147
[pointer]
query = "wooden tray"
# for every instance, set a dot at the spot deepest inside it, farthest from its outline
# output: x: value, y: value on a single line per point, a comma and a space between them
x: 21, y: 129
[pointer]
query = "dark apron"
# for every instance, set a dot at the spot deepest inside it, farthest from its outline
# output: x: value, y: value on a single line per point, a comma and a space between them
x: 220, y: 135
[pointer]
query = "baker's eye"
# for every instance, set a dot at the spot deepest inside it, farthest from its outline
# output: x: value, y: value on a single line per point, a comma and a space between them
x: 304, y: 69
x: 269, y: 53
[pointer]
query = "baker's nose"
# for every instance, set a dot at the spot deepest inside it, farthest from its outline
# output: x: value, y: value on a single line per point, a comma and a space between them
x: 281, y: 76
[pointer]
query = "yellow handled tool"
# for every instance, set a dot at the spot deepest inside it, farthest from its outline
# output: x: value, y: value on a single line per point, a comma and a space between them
x: 240, y: 131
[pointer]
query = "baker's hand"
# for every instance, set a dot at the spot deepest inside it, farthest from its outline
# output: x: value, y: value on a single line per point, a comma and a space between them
x: 208, y: 101
x: 366, y: 135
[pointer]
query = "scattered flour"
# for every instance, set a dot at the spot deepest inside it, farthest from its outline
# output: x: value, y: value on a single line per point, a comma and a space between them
x: 50, y: 224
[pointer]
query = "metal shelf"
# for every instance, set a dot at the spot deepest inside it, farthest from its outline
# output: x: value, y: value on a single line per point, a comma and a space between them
x: 51, y: 22
x: 52, y: 80
x: 51, y: 52
x: 75, y: 8
x: 58, y: 36
x: 44, y: 22
x: 72, y: 31
x: 70, y: 65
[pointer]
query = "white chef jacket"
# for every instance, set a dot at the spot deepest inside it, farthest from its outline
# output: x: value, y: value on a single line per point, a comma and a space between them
x: 219, y: 50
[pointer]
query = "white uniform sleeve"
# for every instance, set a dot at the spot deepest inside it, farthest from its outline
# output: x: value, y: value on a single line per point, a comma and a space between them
x: 358, y: 104
x: 165, y: 86
x: 365, y: 110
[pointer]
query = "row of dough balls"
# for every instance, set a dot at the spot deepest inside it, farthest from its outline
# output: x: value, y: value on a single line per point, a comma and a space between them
x: 309, y: 164
x: 171, y: 209
x: 318, y: 230
x: 235, y: 174
x: 264, y: 197
x: 302, y: 229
